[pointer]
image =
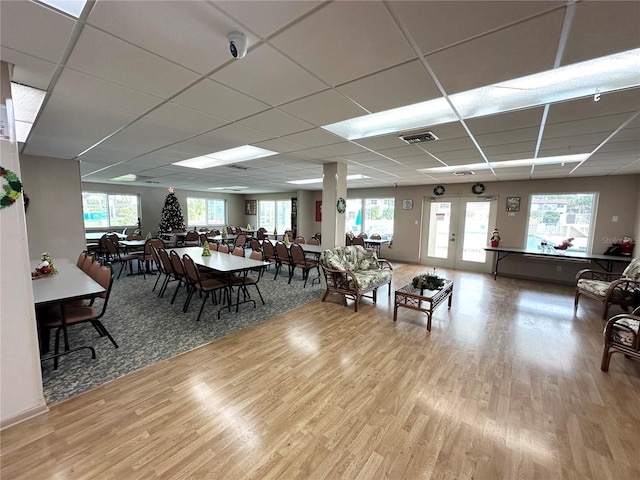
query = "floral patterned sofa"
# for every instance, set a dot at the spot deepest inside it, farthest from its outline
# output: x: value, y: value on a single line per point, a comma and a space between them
x: 609, y: 288
x: 353, y: 271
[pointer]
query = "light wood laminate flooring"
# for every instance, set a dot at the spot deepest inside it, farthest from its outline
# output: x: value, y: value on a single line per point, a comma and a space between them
x: 507, y: 385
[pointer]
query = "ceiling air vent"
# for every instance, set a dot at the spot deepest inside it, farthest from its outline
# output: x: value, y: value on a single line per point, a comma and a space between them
x: 464, y: 174
x: 419, y: 137
x: 237, y: 167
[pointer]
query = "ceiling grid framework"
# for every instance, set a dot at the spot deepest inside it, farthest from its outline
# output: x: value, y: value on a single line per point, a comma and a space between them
x: 143, y: 86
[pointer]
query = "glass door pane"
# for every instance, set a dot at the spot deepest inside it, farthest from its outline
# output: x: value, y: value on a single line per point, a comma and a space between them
x: 439, y: 229
x: 475, y: 231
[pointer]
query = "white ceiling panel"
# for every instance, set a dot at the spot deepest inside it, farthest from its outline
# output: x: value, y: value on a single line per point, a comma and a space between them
x: 195, y: 37
x: 280, y: 79
x: 126, y: 64
x: 358, y: 38
x: 162, y: 71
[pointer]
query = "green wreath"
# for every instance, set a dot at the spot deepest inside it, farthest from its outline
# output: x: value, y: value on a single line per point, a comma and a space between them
x: 439, y: 190
x: 477, y: 188
x: 341, y: 206
x: 12, y: 190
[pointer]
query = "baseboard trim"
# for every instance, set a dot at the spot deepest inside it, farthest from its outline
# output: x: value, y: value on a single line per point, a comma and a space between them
x: 24, y: 415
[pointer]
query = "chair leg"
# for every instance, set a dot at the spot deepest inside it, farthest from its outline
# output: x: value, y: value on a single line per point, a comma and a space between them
x: 202, y: 306
x: 173, y: 299
x: 606, y: 358
x: 105, y: 331
x: 156, y: 284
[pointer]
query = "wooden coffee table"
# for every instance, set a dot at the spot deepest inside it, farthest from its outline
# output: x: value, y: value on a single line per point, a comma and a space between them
x: 424, y: 301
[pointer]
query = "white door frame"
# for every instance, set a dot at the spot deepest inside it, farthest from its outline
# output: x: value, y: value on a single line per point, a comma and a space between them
x: 456, y: 229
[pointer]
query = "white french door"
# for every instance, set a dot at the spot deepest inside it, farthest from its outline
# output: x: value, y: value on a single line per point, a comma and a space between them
x: 455, y: 232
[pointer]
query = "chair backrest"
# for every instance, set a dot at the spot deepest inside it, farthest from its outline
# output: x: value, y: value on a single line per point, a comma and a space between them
x: 632, y: 272
x: 363, y: 235
x: 255, y: 244
x: 282, y: 251
x: 190, y: 269
x: 313, y: 241
x: 134, y: 237
x: 166, y: 261
x: 240, y: 240
x: 203, y: 229
x: 297, y: 253
x: 213, y: 246
x: 113, y: 247
x: 104, y: 277
x: 358, y: 241
x: 257, y: 255
x: 260, y: 234
x: 375, y: 236
x: 93, y: 269
x: 156, y: 258
x: 318, y: 236
x: 191, y: 236
x: 87, y: 264
x: 178, y: 230
x: 81, y: 259
x: 214, y: 232
x: 269, y: 251
x: 299, y: 240
x: 238, y: 251
x: 176, y: 264
x: 223, y: 248
x: 203, y: 239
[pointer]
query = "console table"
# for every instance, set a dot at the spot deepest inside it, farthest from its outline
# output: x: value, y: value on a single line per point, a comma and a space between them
x: 603, y: 261
x: 414, y: 298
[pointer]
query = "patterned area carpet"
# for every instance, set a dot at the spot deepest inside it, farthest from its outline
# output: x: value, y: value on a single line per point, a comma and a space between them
x: 149, y: 329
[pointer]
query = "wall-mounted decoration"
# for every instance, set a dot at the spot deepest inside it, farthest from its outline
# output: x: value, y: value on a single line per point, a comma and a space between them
x: 513, y: 204
x: 407, y: 204
x: 478, y: 188
x: 341, y: 205
x: 11, y: 190
x: 318, y: 210
x: 439, y: 190
x: 250, y: 207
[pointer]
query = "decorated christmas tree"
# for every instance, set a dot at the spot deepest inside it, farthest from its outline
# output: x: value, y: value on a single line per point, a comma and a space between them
x: 171, y: 214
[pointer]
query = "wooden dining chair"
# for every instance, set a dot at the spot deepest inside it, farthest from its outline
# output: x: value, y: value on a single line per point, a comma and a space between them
x: 284, y: 258
x: 299, y: 260
x: 223, y: 248
x: 271, y: 256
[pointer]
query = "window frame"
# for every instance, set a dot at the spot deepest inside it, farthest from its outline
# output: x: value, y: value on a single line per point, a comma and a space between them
x: 584, y: 245
x: 207, y: 217
x: 109, y: 215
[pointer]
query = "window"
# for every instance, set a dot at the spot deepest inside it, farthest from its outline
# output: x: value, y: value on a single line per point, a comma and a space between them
x: 274, y: 214
x: 554, y: 218
x: 377, y: 218
x: 105, y: 210
x: 206, y: 211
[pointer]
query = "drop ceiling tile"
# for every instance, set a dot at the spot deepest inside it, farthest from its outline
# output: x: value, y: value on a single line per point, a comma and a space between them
x: 382, y: 142
x: 521, y: 119
x: 215, y: 99
x: 358, y: 38
x: 110, y: 58
x: 602, y: 28
x: 21, y: 21
x: 86, y: 88
x: 524, y: 48
x: 275, y: 123
x: 323, y: 108
x: 195, y: 37
x: 314, y: 138
x: 396, y: 87
x: 508, y: 137
x: 342, y: 148
x: 266, y: 17
x: 230, y: 136
x: 280, y: 145
x: 585, y: 126
x: 187, y: 119
x: 436, y: 25
x: 29, y: 70
x: 517, y: 150
x: 67, y: 127
x: 609, y: 104
x: 281, y: 80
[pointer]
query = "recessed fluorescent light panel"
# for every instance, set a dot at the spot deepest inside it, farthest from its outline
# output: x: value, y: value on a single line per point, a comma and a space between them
x: 527, y: 162
x: 225, y: 157
x: 319, y: 180
x: 72, y: 7
x: 130, y: 177
x: 236, y: 187
x: 606, y: 74
x: 26, y: 104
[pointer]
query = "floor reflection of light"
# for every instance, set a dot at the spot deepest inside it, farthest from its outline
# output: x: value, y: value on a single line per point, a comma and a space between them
x: 509, y: 435
x: 304, y: 340
x: 229, y: 415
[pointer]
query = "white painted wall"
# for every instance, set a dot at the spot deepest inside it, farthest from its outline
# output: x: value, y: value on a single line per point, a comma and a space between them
x: 20, y: 377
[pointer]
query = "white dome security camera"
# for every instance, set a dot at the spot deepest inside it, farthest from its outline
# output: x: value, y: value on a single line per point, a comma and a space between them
x: 238, y: 44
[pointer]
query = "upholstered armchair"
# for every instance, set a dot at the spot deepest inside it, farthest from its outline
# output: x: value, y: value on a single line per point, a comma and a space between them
x: 609, y: 288
x: 621, y: 335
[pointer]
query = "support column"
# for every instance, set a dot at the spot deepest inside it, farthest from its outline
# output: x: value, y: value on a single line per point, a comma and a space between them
x: 334, y: 186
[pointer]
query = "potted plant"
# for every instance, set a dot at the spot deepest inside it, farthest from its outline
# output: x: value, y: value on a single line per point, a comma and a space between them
x: 427, y: 281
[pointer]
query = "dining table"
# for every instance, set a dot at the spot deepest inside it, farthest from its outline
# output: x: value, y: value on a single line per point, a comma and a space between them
x: 69, y: 283
x: 225, y: 264
x: 95, y: 236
